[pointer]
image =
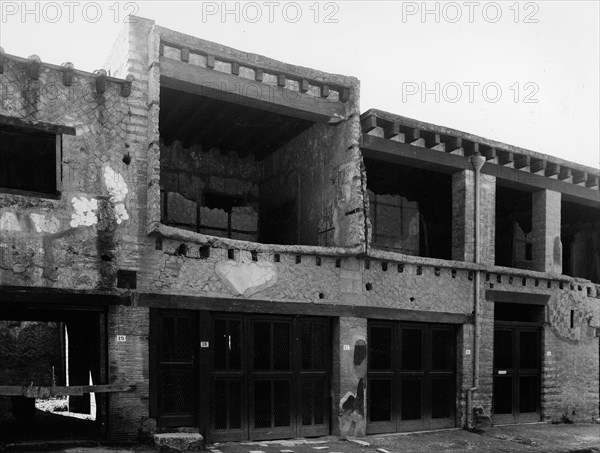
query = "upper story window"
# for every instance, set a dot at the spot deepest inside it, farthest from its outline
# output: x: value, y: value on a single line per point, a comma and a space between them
x: 30, y: 161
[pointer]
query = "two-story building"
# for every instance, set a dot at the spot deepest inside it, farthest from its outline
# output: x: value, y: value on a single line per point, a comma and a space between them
x: 232, y: 246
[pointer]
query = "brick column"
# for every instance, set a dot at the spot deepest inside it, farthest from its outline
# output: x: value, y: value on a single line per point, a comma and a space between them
x: 349, y: 418
x: 128, y: 364
x: 463, y: 220
x: 547, y: 248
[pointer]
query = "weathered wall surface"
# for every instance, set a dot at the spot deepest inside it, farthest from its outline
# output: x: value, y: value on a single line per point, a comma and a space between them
x: 570, y: 378
x: 187, y: 176
x: 74, y: 241
x: 318, y: 174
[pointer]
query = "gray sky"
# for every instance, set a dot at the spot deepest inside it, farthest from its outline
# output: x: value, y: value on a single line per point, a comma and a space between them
x: 525, y: 73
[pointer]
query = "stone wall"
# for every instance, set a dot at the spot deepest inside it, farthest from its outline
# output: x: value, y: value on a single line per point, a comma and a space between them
x: 75, y: 240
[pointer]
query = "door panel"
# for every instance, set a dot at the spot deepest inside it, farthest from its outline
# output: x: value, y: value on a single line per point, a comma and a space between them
x: 177, y: 374
x: 517, y: 373
x: 412, y: 377
x: 278, y: 386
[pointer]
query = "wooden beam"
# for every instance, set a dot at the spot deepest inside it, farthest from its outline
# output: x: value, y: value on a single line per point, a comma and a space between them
x: 565, y: 173
x: 325, y: 91
x: 406, y: 154
x: 402, y: 153
x: 579, y: 177
x: 287, y: 308
x: 258, y: 75
x: 522, y: 161
x: 592, y: 181
x: 470, y: 147
x: 431, y: 139
x: 40, y: 391
x: 368, y: 124
x: 453, y: 143
x: 192, y: 79
x: 488, y: 152
x: 505, y: 157
x: 39, y: 125
x: 25, y: 296
x: 303, y: 87
x: 280, y: 80
x: 391, y: 129
x: 552, y: 169
x: 235, y: 68
x: 537, y: 166
x: 410, y: 134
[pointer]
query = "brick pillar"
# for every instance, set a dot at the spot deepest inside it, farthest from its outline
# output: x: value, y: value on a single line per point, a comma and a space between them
x: 349, y: 417
x: 547, y: 248
x: 463, y: 220
x: 128, y: 364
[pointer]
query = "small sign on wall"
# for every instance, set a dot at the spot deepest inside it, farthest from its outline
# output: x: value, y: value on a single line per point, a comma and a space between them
x: 204, y: 344
x: 549, y: 353
x: 468, y: 352
x: 346, y: 347
x: 121, y: 338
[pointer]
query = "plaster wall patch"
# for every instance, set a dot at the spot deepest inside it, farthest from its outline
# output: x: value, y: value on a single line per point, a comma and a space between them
x: 9, y: 222
x: 247, y: 278
x: 43, y: 224
x: 85, y: 212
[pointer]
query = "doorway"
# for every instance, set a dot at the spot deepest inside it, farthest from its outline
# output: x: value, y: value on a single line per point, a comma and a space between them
x: 243, y: 377
x: 517, y: 363
x: 411, y: 377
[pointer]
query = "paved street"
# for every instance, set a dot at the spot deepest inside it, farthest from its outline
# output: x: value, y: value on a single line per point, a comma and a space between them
x: 534, y: 438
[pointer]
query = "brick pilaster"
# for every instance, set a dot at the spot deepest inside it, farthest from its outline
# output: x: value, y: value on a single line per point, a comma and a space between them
x: 547, y: 248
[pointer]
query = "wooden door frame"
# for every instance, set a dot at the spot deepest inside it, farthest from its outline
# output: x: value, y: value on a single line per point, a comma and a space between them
x: 425, y: 375
x: 516, y: 372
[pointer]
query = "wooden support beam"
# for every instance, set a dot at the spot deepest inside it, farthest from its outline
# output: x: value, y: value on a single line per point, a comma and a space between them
x: 2, y: 60
x: 258, y: 75
x: 290, y: 308
x: 368, y: 124
x: 100, y: 81
x: 552, y: 169
x: 39, y: 125
x: 67, y: 77
x: 505, y: 157
x: 235, y: 68
x: 488, y: 152
x: 431, y: 139
x: 391, y: 129
x: 470, y: 148
x: 185, y: 54
x: 579, y: 177
x: 217, y: 85
x: 592, y: 181
x: 161, y: 49
x: 522, y: 161
x: 410, y: 134
x: 453, y: 143
x: 33, y: 67
x: 280, y: 80
x: 37, y: 391
x: 303, y: 86
x: 325, y: 91
x: 404, y: 154
x: 126, y: 87
x: 565, y: 173
x: 538, y: 166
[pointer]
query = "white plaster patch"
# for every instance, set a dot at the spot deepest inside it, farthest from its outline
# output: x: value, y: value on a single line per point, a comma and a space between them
x: 85, y: 211
x: 115, y: 184
x: 121, y: 213
x: 9, y: 222
x: 43, y: 224
x: 247, y: 278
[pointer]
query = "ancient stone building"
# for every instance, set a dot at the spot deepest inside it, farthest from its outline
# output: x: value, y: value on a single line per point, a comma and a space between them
x: 232, y: 246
